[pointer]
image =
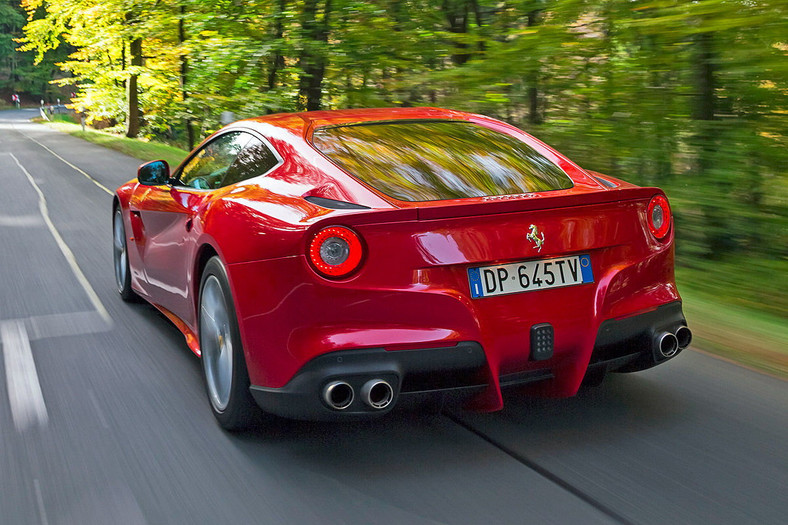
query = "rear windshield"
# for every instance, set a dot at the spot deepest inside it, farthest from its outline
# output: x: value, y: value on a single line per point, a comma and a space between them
x: 437, y: 160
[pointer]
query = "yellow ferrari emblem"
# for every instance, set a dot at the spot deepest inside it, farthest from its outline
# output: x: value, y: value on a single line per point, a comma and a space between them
x: 533, y: 235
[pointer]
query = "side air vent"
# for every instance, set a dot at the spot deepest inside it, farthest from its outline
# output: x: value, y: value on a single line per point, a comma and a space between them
x: 334, y: 204
x: 605, y: 182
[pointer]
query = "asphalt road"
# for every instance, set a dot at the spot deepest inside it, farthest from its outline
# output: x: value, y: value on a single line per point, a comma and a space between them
x: 103, y: 416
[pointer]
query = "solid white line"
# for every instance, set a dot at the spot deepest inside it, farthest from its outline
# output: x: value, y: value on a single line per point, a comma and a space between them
x: 24, y: 390
x: 62, y: 325
x: 20, y: 221
x: 40, y: 501
x: 91, y: 179
x: 67, y: 253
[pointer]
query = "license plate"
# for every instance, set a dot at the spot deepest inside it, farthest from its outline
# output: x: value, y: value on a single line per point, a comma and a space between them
x: 527, y: 276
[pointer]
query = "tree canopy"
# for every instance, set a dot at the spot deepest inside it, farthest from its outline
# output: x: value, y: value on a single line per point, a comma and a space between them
x: 690, y: 95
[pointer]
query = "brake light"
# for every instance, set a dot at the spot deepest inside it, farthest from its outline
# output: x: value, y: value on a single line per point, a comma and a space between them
x: 336, y: 251
x: 658, y: 216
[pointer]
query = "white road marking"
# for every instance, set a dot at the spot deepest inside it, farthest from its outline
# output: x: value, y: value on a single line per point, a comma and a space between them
x: 40, y: 502
x: 21, y: 221
x: 91, y: 179
x: 67, y: 253
x: 62, y: 325
x: 24, y: 390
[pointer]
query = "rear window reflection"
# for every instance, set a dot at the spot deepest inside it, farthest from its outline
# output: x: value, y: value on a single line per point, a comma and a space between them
x: 438, y: 160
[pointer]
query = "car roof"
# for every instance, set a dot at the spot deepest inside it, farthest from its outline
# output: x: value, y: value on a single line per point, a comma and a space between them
x: 306, y: 121
x: 329, y: 174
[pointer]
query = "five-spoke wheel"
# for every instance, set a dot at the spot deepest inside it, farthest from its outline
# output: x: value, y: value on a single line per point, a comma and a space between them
x: 226, y: 377
x: 121, y: 258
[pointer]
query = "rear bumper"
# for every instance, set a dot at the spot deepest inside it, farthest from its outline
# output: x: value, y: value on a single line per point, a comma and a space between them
x: 624, y: 345
x: 627, y: 345
x: 461, y: 367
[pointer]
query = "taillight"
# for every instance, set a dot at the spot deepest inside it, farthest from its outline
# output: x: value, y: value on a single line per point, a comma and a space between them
x: 658, y: 216
x: 336, y: 251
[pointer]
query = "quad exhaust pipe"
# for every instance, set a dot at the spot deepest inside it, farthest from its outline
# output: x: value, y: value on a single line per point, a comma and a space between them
x: 684, y: 336
x: 338, y: 395
x: 377, y: 394
x: 667, y: 344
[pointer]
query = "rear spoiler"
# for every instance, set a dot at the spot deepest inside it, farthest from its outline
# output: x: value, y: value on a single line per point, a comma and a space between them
x: 487, y: 206
x: 535, y: 201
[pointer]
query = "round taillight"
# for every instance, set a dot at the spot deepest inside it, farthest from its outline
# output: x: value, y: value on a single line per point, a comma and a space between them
x: 658, y: 216
x: 336, y: 251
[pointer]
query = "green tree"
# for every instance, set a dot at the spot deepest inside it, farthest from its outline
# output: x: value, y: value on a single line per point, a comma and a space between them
x: 11, y: 23
x: 687, y: 95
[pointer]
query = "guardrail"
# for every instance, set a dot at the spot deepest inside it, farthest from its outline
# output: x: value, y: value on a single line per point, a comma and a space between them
x: 56, y: 109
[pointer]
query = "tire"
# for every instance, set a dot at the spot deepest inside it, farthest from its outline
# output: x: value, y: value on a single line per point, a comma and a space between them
x: 224, y: 365
x: 121, y: 258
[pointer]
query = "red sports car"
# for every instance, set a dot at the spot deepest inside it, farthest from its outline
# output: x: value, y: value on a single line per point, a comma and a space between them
x: 328, y: 264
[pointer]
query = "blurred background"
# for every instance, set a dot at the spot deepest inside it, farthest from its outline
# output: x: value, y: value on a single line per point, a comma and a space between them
x: 688, y: 96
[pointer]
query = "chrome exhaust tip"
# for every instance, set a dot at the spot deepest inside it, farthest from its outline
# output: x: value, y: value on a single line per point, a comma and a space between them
x: 667, y: 344
x: 377, y: 394
x: 338, y: 395
x: 684, y: 336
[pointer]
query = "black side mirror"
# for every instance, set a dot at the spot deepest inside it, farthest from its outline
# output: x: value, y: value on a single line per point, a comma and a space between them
x: 154, y: 173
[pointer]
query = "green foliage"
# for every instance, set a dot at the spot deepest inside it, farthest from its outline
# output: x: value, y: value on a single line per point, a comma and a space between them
x: 690, y: 96
x: 17, y: 71
x: 11, y: 22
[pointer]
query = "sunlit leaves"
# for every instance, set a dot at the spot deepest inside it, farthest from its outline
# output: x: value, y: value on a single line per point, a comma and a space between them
x: 615, y: 84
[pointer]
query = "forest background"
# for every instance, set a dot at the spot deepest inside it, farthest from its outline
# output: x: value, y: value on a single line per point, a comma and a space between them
x: 687, y: 95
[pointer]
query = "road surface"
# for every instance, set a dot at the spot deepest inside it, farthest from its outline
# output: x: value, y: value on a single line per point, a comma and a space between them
x: 103, y: 415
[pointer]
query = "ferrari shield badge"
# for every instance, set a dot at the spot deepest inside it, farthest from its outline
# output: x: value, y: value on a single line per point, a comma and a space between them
x: 533, y: 236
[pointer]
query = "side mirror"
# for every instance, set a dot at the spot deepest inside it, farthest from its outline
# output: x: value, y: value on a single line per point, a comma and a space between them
x: 154, y: 173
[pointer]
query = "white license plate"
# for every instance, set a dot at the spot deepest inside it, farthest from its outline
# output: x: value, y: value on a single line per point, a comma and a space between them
x: 527, y: 276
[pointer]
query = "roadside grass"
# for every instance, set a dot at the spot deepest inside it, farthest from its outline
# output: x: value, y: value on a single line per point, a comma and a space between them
x: 737, y: 315
x: 737, y: 308
x: 754, y: 338
x: 139, y: 149
x: 742, y: 281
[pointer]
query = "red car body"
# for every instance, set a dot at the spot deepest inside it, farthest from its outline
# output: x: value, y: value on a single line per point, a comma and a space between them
x: 407, y: 315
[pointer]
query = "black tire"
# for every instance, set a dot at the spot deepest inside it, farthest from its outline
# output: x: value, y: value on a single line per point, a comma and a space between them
x: 121, y: 258
x: 224, y: 366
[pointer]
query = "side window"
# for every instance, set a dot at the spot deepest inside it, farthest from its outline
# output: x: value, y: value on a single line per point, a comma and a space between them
x: 207, y: 168
x: 255, y: 159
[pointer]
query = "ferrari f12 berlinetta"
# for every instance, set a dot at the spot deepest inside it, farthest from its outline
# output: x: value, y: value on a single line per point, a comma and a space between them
x: 329, y: 264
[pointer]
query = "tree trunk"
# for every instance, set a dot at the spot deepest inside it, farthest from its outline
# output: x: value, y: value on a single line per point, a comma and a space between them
x: 534, y: 116
x: 717, y: 217
x: 133, y: 116
x: 457, y: 17
x: 312, y: 61
x: 277, y: 60
x: 185, y: 75
x: 705, y: 101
